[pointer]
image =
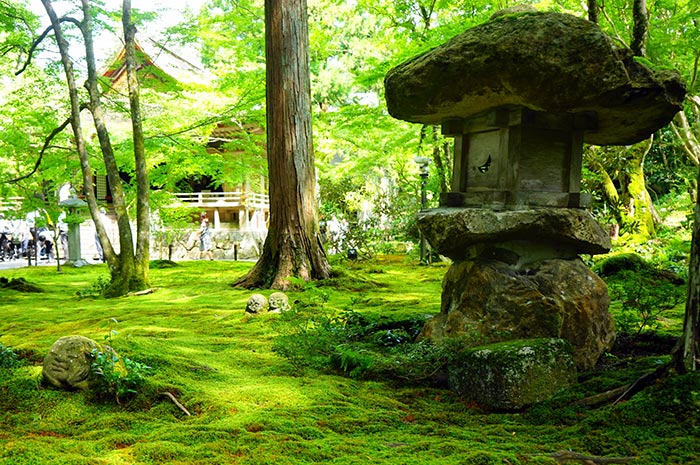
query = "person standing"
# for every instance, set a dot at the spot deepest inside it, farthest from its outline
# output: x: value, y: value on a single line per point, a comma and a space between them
x: 205, y: 239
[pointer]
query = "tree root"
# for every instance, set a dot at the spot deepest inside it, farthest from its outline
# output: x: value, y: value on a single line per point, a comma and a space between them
x: 177, y: 403
x: 144, y: 292
x: 623, y: 393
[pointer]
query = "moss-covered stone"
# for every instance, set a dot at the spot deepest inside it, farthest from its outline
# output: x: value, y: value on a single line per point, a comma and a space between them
x: 514, y: 374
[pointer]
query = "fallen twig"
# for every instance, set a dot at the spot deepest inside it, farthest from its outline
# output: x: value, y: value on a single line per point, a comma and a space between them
x: 643, y: 382
x: 622, y: 393
x: 177, y: 402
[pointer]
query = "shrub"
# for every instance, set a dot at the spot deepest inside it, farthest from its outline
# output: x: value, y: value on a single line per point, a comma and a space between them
x: 8, y: 358
x: 96, y: 290
x: 644, y: 296
x: 116, y: 378
x: 357, y: 346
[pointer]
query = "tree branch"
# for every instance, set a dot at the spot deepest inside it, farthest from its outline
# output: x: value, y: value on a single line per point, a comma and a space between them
x: 177, y: 402
x: 46, y: 146
x: 53, y: 134
x: 40, y: 39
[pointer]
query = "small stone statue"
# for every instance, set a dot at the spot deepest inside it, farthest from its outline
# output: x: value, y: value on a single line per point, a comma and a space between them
x: 257, y: 303
x: 279, y: 302
x: 68, y: 363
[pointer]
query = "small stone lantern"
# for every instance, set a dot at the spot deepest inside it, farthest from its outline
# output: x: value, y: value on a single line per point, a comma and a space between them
x: 73, y: 203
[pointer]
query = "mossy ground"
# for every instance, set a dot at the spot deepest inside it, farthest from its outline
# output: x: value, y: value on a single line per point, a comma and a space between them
x: 250, y: 406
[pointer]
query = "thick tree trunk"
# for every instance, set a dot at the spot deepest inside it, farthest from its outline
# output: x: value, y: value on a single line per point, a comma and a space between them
x: 293, y: 247
x: 687, y: 352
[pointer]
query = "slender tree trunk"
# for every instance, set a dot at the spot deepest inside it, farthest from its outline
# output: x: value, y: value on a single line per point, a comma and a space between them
x: 143, y: 211
x: 593, y: 11
x: 640, y: 30
x: 76, y: 125
x: 126, y: 274
x: 118, y: 197
x: 639, y: 206
x: 293, y: 247
x: 687, y: 352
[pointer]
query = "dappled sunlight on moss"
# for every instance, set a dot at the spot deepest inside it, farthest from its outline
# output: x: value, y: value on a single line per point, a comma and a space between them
x: 250, y: 406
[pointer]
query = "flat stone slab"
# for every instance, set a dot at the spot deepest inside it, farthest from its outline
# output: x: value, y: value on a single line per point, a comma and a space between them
x: 548, y: 62
x: 451, y: 231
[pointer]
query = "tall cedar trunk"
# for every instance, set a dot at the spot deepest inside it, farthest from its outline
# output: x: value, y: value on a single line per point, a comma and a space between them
x: 640, y: 29
x: 293, y: 247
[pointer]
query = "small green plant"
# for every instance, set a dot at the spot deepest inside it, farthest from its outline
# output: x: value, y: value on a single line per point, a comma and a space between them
x: 111, y: 324
x: 8, y: 358
x: 116, y: 377
x: 96, y: 290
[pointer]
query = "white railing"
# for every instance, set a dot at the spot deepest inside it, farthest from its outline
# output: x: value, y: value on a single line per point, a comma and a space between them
x: 10, y: 204
x: 225, y: 199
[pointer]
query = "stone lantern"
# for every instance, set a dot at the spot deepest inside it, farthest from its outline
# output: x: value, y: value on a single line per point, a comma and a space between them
x: 73, y: 203
x: 520, y: 95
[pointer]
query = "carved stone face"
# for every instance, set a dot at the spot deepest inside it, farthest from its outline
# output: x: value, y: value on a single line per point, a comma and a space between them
x: 68, y: 363
x: 257, y: 303
x: 279, y: 302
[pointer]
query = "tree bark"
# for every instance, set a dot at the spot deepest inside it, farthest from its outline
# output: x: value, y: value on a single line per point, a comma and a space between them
x: 143, y: 210
x: 687, y: 351
x: 640, y: 30
x: 593, y: 11
x: 293, y: 247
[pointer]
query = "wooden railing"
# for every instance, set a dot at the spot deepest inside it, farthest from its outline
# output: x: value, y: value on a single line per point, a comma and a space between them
x: 225, y: 199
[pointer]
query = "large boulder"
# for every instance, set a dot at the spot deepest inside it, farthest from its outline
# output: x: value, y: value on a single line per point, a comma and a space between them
x: 548, y: 62
x: 512, y: 375
x: 69, y: 361
x: 492, y: 301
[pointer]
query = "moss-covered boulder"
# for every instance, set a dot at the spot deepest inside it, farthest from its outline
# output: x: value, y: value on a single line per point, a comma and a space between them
x: 514, y: 374
x: 490, y: 300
